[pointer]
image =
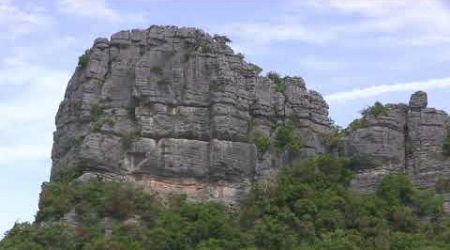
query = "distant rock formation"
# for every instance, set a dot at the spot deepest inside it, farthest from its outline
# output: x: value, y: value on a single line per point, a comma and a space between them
x: 404, y: 139
x: 176, y: 110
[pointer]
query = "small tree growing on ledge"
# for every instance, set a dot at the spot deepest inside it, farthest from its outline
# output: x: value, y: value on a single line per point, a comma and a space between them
x: 83, y: 60
x: 446, y: 146
x: 261, y: 141
x: 356, y: 124
x: 376, y: 110
x: 255, y: 68
x: 276, y: 78
x: 287, y: 138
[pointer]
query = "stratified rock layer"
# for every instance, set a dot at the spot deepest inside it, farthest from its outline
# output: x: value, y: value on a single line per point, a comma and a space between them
x: 406, y: 139
x: 175, y: 110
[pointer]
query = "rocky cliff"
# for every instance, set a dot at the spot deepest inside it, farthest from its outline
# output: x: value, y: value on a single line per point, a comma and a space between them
x: 400, y: 139
x: 176, y: 110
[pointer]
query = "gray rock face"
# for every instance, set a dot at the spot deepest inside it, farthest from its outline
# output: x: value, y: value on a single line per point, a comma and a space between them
x: 418, y: 101
x: 174, y: 109
x: 405, y: 139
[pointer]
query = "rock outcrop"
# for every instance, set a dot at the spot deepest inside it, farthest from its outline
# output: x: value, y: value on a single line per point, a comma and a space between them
x: 176, y: 110
x: 400, y: 139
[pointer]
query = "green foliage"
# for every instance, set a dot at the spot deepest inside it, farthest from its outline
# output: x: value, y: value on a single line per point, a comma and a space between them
x: 357, y: 124
x: 280, y: 87
x: 98, y: 118
x: 186, y: 56
x: 128, y: 138
x: 83, y: 60
x: 93, y: 201
x: 308, y: 206
x: 96, y: 111
x: 66, y: 173
x: 255, y: 68
x: 376, y: 110
x: 279, y: 83
x: 27, y: 236
x: 156, y: 70
x: 204, y: 48
x: 131, y: 113
x: 78, y: 141
x: 287, y: 139
x: 443, y: 185
x: 334, y: 141
x: 261, y: 141
x: 446, y: 146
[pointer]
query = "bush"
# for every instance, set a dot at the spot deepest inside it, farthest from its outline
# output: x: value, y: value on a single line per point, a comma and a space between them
x: 261, y: 141
x: 443, y: 185
x: 280, y: 87
x: 287, y: 139
x: 275, y: 77
x: 83, y: 60
x: 376, y: 110
x: 397, y: 190
x: 204, y: 48
x: 255, y: 68
x: 186, y: 56
x: 128, y: 139
x: 66, y: 173
x: 279, y: 83
x: 357, y: 124
x: 334, y: 141
x: 96, y: 111
x: 156, y: 70
x: 446, y: 146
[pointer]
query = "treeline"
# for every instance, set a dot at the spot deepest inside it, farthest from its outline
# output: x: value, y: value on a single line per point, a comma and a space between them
x: 308, y: 206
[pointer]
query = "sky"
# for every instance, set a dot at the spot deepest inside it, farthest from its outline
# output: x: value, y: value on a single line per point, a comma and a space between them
x: 354, y: 52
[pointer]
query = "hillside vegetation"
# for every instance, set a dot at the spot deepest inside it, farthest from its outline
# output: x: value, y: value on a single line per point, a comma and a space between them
x: 308, y: 206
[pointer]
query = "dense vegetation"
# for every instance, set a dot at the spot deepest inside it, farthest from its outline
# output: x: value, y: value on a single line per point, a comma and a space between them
x: 308, y: 206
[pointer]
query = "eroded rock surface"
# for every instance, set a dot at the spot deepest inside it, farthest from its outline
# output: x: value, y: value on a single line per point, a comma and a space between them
x: 175, y: 109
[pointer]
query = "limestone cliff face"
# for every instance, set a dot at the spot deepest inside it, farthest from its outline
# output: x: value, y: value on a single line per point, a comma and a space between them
x: 405, y: 139
x: 175, y: 109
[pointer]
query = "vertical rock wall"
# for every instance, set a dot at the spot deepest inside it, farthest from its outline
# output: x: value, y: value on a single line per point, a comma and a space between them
x: 175, y: 109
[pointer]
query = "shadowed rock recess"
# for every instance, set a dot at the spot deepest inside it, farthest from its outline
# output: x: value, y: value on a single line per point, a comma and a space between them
x: 176, y: 110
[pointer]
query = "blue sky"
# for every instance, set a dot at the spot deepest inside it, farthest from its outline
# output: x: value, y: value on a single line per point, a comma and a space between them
x: 354, y: 52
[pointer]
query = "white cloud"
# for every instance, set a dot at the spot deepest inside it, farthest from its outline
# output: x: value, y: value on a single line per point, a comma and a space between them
x: 422, y: 23
x: 418, y: 23
x: 321, y: 64
x: 99, y: 9
x: 18, y: 21
x: 14, y: 154
x: 88, y: 8
x: 27, y: 113
x: 375, y: 7
x: 361, y: 93
x: 273, y: 32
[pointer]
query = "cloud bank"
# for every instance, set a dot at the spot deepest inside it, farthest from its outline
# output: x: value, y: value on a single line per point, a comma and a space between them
x: 346, y: 96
